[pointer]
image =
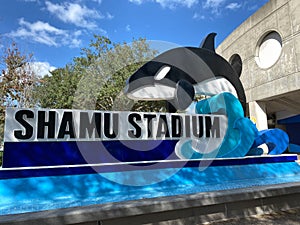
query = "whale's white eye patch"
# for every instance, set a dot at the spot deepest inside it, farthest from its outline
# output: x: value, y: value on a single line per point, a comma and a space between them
x: 162, y: 72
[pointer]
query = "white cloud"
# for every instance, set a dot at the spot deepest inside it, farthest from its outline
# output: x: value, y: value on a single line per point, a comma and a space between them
x: 101, y: 31
x: 128, y: 28
x: 109, y: 16
x: 214, y: 5
x: 98, y: 1
x: 138, y: 2
x: 174, y: 3
x: 40, y: 26
x: 252, y: 7
x: 197, y: 16
x: 41, y: 68
x: 72, y: 39
x: 233, y: 6
x: 74, y: 13
x: 171, y: 4
x: 44, y: 33
x: 39, y: 31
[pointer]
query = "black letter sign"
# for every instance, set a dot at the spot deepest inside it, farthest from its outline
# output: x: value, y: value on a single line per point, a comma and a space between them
x: 28, y: 128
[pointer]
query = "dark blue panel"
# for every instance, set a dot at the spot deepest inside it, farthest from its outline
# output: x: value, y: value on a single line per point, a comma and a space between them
x: 121, y: 167
x: 27, y: 154
x: 293, y: 131
x: 294, y: 148
x: 293, y: 119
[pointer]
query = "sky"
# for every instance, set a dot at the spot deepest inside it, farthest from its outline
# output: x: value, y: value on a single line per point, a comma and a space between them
x: 55, y: 31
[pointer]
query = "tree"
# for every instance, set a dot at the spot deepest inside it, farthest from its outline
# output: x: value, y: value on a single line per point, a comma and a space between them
x: 57, y: 90
x: 17, y: 81
x: 95, y: 80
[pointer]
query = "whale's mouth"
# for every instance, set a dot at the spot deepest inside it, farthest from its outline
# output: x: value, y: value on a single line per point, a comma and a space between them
x: 214, y: 86
x: 157, y: 91
x: 150, y: 93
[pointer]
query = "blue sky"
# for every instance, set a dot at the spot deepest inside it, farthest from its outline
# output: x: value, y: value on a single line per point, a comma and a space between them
x: 54, y: 31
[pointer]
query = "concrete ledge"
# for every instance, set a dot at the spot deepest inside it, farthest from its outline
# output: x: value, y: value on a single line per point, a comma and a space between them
x: 180, y: 209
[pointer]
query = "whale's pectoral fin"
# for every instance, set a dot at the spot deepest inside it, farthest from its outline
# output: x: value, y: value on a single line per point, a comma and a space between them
x: 170, y: 106
x: 184, y: 95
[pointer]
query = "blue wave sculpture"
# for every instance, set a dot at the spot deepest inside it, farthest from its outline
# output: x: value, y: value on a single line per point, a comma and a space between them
x: 277, y: 141
x: 242, y: 137
x: 241, y: 132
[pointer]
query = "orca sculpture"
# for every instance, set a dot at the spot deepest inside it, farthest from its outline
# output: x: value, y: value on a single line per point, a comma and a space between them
x: 177, y: 74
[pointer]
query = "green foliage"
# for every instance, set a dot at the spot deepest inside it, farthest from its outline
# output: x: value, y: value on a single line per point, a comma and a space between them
x: 57, y: 90
x: 96, y: 79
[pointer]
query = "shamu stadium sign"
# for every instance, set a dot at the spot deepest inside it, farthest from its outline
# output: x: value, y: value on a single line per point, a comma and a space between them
x: 48, y: 137
x: 61, y: 125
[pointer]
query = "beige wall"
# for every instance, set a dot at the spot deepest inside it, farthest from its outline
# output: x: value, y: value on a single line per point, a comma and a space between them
x: 282, y: 16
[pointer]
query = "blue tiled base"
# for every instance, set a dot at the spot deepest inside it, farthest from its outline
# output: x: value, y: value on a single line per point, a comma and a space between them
x: 32, y: 194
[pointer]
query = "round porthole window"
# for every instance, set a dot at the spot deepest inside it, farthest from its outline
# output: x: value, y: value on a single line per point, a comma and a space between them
x: 268, y: 50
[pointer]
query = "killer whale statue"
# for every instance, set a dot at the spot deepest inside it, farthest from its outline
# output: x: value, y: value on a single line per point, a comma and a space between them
x: 178, y: 74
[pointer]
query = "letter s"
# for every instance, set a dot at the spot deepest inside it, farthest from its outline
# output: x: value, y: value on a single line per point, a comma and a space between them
x: 28, y: 128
